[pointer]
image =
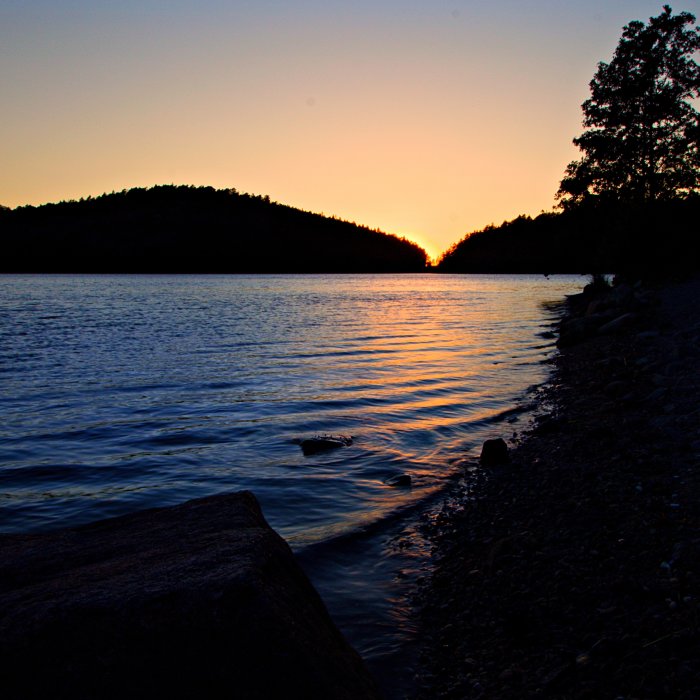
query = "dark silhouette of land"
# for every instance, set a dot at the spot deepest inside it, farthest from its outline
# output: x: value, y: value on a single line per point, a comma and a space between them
x: 655, y: 239
x: 193, y: 229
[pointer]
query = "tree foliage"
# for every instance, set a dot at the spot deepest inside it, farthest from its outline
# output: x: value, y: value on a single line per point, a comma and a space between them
x: 642, y: 142
x: 653, y: 241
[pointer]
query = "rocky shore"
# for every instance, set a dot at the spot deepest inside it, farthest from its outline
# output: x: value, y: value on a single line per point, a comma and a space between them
x: 573, y: 571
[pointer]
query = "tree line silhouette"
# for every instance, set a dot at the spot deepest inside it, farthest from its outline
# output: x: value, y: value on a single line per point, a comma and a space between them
x: 640, y: 241
x: 631, y: 203
x: 176, y: 229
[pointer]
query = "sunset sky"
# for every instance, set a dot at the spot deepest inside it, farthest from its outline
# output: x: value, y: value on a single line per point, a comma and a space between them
x: 427, y: 119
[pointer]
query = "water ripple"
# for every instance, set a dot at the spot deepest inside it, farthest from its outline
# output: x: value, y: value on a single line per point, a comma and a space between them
x: 121, y: 392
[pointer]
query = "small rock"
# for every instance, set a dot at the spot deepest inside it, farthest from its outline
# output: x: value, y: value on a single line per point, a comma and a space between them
x: 549, y: 424
x: 583, y: 660
x: 399, y: 480
x: 616, y: 388
x: 494, y: 453
x: 617, y: 324
x: 321, y: 443
x: 656, y: 394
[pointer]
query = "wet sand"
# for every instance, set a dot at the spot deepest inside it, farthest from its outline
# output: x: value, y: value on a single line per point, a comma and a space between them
x: 574, y: 571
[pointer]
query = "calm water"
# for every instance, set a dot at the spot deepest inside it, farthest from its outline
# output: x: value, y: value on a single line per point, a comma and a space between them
x: 124, y: 392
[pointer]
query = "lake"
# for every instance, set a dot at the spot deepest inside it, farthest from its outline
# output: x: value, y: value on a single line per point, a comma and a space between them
x: 125, y: 392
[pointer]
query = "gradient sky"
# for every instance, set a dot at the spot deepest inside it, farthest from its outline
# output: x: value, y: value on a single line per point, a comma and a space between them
x: 428, y: 119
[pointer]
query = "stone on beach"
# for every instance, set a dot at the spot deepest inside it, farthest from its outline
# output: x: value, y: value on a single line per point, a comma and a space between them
x: 203, y: 599
x: 617, y: 324
x: 494, y: 453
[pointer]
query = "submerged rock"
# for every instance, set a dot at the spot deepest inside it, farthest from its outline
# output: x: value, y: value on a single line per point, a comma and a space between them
x: 322, y: 443
x: 399, y: 480
x: 202, y: 600
x: 494, y: 453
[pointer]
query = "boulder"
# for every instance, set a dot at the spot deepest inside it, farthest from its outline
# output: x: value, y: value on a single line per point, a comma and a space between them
x: 200, y: 600
x: 494, y: 453
x: 574, y: 330
x: 622, y: 296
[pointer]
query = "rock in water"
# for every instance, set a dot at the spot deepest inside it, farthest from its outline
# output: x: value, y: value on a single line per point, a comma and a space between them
x: 399, y: 480
x: 200, y: 600
x: 322, y: 443
x: 494, y: 453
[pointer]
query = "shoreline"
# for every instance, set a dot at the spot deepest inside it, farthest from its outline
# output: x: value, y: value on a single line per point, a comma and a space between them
x: 572, y: 571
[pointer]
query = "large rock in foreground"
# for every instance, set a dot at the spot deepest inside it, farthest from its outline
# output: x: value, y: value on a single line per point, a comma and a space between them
x: 201, y: 600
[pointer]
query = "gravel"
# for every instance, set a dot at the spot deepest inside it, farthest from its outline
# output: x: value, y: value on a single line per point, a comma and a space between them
x: 574, y: 570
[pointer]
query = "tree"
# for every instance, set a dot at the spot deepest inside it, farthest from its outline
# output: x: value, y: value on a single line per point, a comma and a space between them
x: 643, y: 138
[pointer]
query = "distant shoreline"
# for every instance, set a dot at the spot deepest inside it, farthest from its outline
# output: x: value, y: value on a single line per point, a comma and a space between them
x: 183, y: 229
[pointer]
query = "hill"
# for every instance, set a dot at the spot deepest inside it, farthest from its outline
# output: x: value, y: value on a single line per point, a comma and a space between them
x: 643, y: 240
x: 193, y: 229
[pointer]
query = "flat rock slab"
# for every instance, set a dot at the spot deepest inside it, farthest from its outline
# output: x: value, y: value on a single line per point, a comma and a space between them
x: 200, y: 600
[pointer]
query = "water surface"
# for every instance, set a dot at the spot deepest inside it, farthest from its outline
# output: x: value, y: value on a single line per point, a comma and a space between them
x: 124, y: 392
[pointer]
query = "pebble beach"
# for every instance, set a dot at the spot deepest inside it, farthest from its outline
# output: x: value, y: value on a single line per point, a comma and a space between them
x: 573, y: 571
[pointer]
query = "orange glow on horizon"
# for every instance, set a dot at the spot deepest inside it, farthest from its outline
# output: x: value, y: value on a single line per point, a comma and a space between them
x: 421, y: 120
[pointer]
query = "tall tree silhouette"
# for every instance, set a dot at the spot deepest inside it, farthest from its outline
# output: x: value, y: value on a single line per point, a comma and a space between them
x: 642, y: 142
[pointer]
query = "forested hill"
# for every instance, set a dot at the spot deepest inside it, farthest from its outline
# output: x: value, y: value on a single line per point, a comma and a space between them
x: 193, y: 229
x: 650, y: 240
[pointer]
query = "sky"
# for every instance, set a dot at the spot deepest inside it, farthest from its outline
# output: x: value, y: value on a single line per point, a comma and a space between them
x: 426, y: 119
